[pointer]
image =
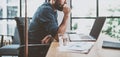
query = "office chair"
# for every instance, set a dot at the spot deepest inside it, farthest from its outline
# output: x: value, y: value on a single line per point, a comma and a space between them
x: 43, y: 48
x: 17, y: 49
x: 12, y: 49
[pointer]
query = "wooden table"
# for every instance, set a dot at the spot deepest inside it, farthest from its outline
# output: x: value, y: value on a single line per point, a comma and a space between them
x: 96, y: 51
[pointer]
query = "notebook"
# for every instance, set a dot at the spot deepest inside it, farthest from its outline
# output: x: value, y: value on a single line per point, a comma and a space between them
x: 95, y: 31
x: 109, y: 44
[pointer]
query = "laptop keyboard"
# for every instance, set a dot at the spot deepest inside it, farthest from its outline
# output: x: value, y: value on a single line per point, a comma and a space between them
x: 80, y: 37
x: 85, y: 37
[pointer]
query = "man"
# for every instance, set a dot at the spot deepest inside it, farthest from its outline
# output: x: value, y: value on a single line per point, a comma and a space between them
x: 44, y: 23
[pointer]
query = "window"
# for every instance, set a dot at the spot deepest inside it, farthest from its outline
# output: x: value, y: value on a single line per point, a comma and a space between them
x: 8, y: 10
x: 12, y: 11
x: 109, y: 8
x: 82, y: 25
x: 12, y: 8
x: 32, y: 6
x: 11, y: 1
x: 91, y: 9
x: 83, y: 8
x: 11, y: 25
x: 3, y: 27
x: 112, y: 27
x: 1, y: 12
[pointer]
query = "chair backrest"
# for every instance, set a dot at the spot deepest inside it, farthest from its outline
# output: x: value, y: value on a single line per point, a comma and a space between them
x: 97, y: 27
x: 16, y: 38
x: 20, y: 26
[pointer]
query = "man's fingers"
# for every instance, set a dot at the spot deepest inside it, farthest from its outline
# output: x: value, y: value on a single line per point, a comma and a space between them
x: 45, y: 39
x: 42, y: 41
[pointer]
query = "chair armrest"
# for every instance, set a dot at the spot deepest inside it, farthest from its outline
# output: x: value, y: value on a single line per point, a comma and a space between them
x: 32, y: 45
x: 2, y: 39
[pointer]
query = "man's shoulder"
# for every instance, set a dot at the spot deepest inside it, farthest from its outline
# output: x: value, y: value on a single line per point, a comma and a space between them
x: 47, y: 7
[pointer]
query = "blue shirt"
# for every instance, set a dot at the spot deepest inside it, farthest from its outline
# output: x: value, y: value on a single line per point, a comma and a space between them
x: 44, y: 22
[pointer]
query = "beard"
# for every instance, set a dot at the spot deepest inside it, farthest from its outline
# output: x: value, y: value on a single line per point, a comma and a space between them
x: 58, y: 6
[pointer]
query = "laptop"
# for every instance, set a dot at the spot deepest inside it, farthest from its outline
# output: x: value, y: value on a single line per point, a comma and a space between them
x: 94, y: 33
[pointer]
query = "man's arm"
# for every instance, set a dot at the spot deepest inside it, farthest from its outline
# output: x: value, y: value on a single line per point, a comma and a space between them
x: 63, y: 25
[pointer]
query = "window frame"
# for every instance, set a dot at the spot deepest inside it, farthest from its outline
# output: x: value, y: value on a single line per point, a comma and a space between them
x: 97, y: 14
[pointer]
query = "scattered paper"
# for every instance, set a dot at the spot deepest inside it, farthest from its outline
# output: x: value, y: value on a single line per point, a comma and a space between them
x: 77, y: 46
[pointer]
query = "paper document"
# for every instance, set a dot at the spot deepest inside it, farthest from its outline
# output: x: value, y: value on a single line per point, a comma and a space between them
x: 80, y: 45
x: 77, y: 47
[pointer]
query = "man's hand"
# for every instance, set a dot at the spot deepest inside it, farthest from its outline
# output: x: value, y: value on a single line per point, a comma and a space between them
x: 66, y: 9
x: 46, y: 39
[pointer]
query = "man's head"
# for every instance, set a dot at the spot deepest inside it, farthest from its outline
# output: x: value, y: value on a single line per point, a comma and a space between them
x: 58, y: 4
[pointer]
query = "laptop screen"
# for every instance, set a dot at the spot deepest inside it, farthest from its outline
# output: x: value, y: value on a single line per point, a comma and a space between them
x: 97, y: 27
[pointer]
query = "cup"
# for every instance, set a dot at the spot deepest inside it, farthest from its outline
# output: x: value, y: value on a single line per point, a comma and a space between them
x: 60, y: 37
x: 63, y: 39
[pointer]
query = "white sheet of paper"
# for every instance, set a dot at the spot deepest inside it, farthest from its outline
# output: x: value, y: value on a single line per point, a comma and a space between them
x: 77, y: 46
